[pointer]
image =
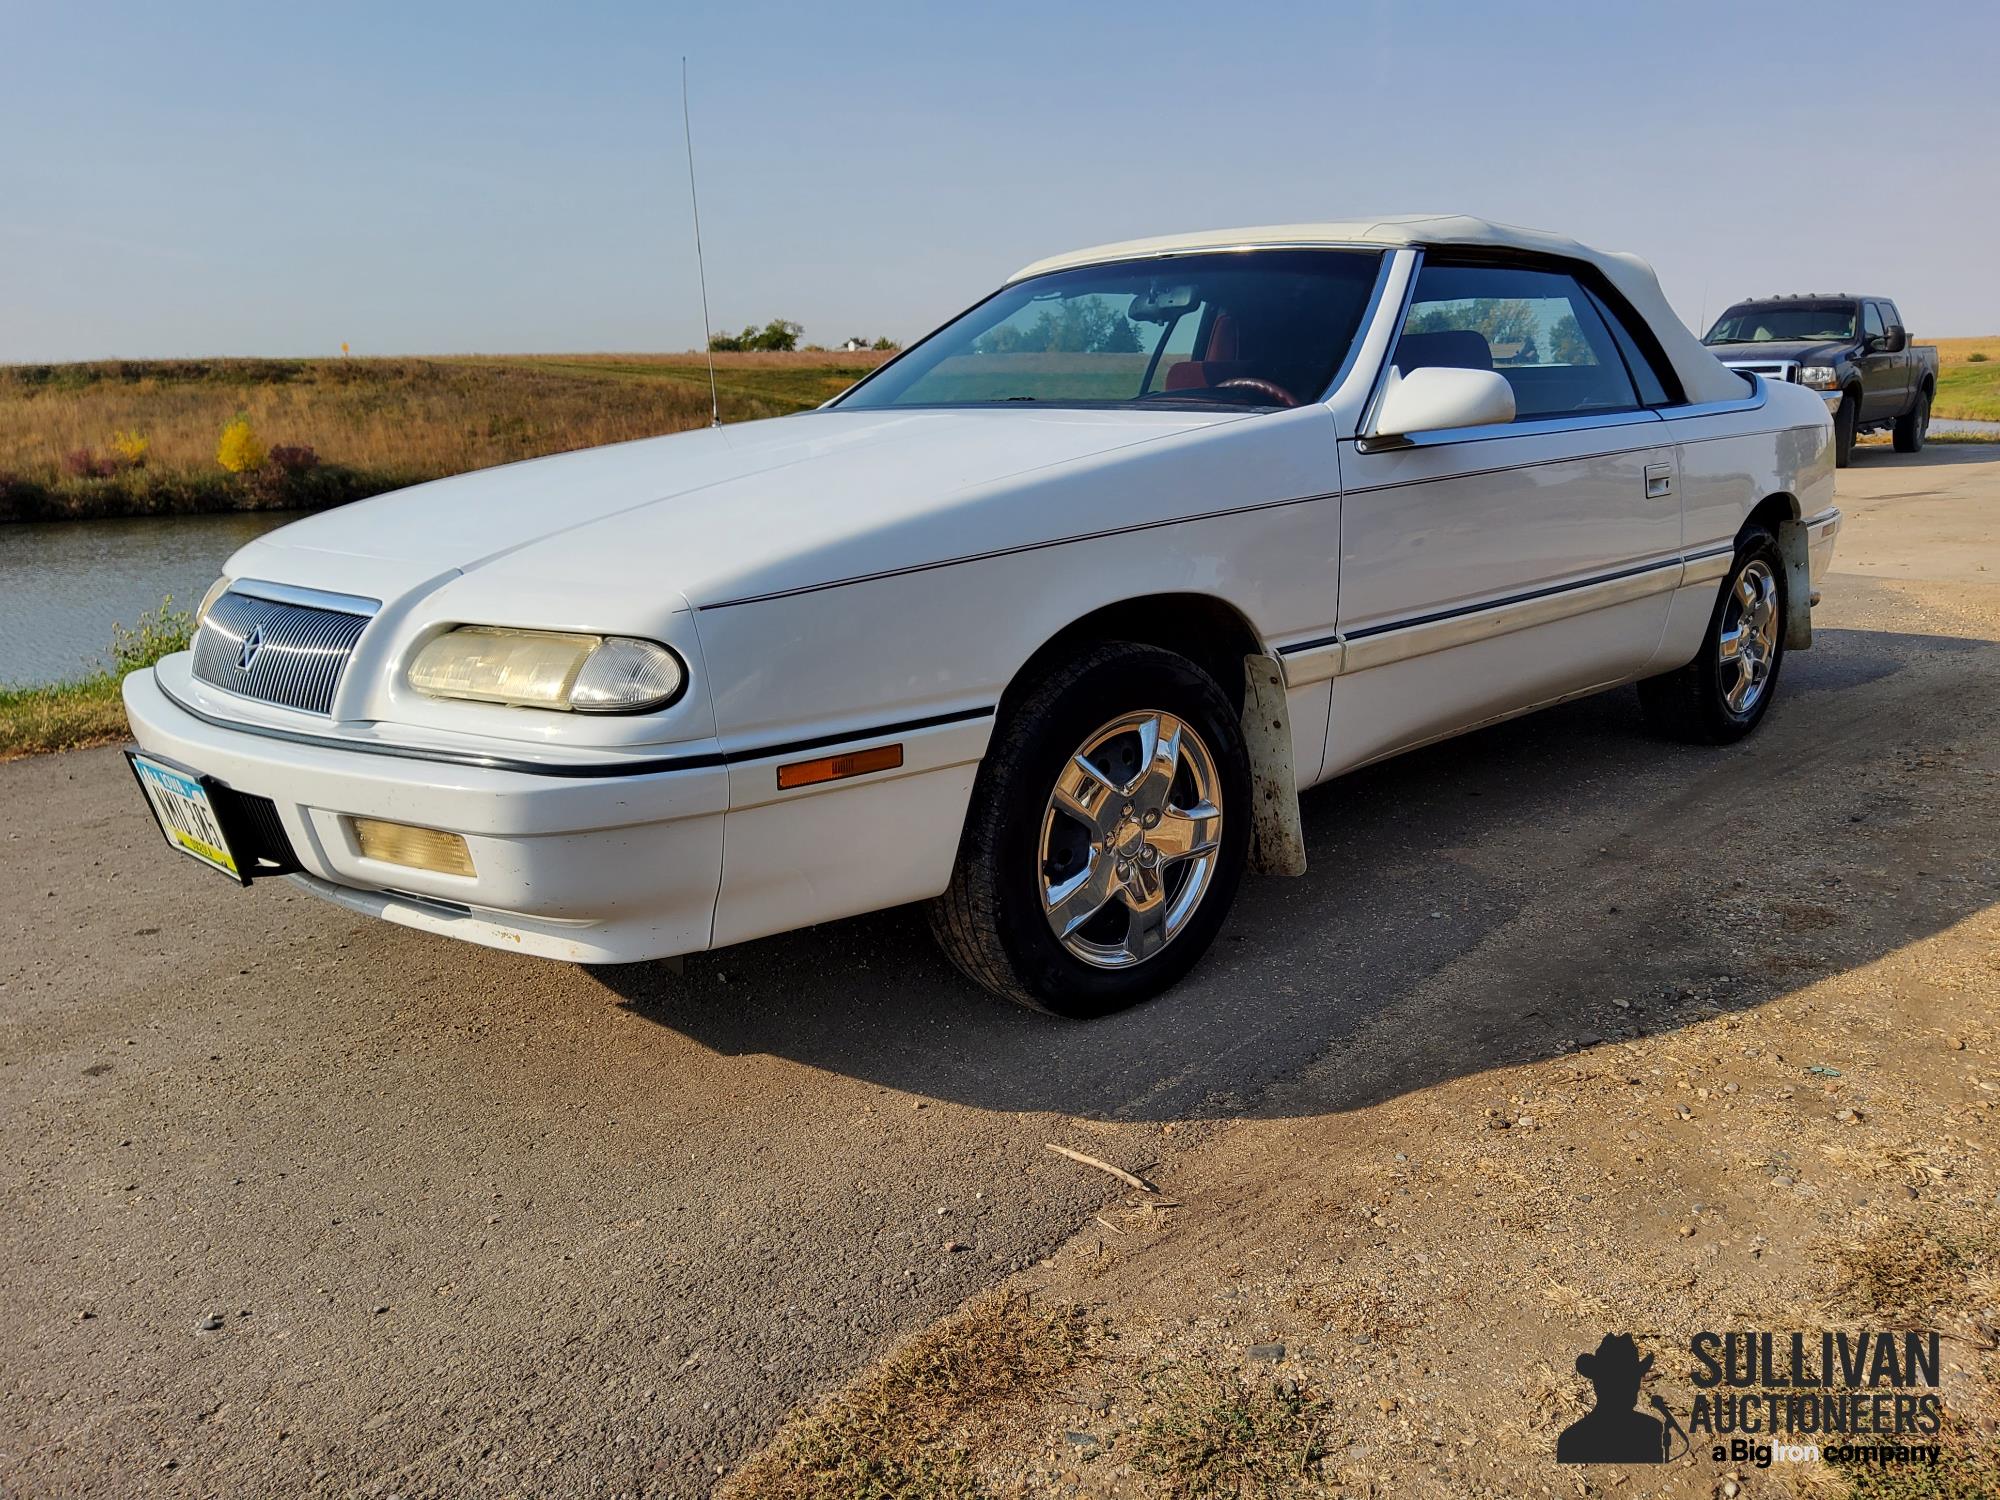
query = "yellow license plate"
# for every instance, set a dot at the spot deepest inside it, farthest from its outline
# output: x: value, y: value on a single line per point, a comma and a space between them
x: 185, y: 812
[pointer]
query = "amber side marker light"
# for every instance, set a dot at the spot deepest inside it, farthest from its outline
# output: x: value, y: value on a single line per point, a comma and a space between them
x: 414, y: 848
x: 835, y: 767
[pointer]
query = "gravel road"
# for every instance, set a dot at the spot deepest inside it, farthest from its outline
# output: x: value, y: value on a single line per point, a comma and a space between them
x: 294, y: 1203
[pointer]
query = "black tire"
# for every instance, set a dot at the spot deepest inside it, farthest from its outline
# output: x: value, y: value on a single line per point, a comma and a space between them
x: 992, y: 921
x: 1914, y: 425
x: 1846, y: 426
x: 1694, y: 703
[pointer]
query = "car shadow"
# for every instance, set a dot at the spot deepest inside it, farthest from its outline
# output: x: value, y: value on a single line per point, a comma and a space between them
x: 1934, y: 455
x: 1547, y: 884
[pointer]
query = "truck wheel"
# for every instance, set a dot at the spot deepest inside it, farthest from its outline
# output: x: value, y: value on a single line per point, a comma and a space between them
x: 1846, y: 423
x: 1108, y: 832
x: 1721, y: 695
x: 1914, y: 426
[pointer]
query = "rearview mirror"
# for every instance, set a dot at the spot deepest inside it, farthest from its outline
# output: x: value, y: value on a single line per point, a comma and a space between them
x: 1432, y: 398
x: 1897, y: 340
x: 1161, y: 304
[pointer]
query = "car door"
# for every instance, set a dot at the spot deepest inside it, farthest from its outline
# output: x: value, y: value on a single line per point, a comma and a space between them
x: 1488, y: 570
x: 1882, y: 385
x: 1904, y: 362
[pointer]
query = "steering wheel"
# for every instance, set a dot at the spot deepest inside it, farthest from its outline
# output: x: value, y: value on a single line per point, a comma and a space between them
x: 1263, y: 388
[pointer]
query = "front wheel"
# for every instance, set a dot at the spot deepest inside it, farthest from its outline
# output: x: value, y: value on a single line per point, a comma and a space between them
x: 1846, y: 425
x: 1108, y: 832
x: 1722, y: 694
x: 1914, y: 426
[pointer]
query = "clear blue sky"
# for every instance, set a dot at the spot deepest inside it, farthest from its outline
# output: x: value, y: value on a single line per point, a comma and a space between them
x: 197, y: 178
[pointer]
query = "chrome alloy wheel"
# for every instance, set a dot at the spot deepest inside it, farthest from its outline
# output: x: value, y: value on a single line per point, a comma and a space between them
x: 1748, y: 648
x: 1130, y: 839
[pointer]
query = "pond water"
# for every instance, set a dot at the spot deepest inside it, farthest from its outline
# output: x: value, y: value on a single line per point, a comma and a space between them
x: 64, y: 584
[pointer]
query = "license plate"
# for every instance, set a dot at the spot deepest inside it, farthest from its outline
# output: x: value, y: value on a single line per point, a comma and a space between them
x: 186, y: 812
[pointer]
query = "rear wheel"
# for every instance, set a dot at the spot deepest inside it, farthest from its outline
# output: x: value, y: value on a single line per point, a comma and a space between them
x: 1107, y: 835
x: 1914, y: 426
x: 1846, y: 423
x: 1722, y: 694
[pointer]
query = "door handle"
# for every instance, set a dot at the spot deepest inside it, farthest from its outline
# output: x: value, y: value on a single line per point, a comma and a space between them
x: 1659, y: 480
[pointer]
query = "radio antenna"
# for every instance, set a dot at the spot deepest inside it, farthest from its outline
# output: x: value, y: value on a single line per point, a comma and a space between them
x: 707, y: 338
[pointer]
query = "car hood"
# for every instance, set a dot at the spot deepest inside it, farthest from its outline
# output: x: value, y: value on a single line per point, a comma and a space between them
x: 780, y: 503
x: 1811, y: 352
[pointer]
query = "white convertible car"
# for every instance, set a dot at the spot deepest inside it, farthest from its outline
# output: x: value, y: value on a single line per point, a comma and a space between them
x: 1048, y: 621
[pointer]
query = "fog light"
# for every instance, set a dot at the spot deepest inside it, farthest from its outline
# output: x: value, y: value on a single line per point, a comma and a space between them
x: 414, y: 848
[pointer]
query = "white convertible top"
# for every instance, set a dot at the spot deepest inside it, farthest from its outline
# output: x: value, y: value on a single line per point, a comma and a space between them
x: 1702, y: 377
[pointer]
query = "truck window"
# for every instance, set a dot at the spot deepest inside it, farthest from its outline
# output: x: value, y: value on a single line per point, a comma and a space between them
x: 1871, y: 320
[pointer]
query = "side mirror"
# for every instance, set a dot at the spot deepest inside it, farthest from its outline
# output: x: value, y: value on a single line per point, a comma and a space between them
x: 1432, y: 398
x: 1897, y: 340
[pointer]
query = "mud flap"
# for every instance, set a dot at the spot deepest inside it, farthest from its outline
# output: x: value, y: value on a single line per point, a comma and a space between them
x: 1795, y: 546
x: 1278, y: 839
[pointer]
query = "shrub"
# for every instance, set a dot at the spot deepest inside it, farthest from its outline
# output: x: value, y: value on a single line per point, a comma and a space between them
x: 160, y: 632
x: 293, y: 478
x: 87, y: 463
x: 239, y: 451
x: 21, y: 499
x: 1976, y: 357
x: 132, y: 447
x: 776, y: 336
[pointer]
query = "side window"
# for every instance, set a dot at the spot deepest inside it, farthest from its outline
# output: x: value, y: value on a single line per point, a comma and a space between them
x: 1645, y: 374
x: 1871, y: 320
x: 1890, y: 315
x: 1538, y: 329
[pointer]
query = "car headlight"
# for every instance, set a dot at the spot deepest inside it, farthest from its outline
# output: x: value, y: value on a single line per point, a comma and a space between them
x: 1819, y: 377
x: 215, y: 591
x: 588, y: 674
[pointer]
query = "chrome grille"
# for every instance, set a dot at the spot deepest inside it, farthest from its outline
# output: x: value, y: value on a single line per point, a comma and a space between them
x: 292, y: 654
x: 1786, y: 370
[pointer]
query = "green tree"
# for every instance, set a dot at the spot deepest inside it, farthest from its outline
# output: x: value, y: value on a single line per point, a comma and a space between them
x: 776, y: 335
x: 1504, y: 322
x: 1076, y: 325
x: 1567, y: 345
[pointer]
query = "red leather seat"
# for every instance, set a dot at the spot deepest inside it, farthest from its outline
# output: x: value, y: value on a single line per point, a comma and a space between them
x: 1221, y: 361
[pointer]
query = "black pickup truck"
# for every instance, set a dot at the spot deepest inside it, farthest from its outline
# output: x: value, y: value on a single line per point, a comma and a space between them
x: 1853, y: 350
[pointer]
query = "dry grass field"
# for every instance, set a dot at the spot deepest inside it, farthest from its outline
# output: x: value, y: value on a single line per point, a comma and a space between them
x: 141, y: 437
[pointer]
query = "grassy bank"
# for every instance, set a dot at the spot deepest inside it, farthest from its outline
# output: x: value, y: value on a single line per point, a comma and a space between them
x: 1969, y: 379
x: 68, y: 716
x: 89, y: 711
x: 141, y: 437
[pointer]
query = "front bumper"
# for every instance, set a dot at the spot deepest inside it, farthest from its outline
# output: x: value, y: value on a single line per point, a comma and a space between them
x: 605, y: 869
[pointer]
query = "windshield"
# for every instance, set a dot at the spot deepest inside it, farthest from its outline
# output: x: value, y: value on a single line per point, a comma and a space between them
x: 1783, y: 323
x: 1241, y: 329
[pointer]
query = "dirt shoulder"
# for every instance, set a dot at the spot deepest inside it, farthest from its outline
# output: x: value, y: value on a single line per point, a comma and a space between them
x: 1734, y: 1063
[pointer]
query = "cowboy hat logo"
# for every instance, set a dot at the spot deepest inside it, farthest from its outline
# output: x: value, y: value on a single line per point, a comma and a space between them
x: 1613, y: 1432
